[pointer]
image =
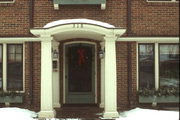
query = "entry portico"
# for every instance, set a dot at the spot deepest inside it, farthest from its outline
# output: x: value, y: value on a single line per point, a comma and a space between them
x: 79, y: 28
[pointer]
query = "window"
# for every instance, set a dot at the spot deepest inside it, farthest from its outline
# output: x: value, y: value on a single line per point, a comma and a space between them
x: 14, y: 67
x: 7, y: 1
x: 146, y: 66
x: 11, y: 67
x: 1, y: 68
x: 162, y: 58
x: 169, y: 65
x: 162, y: 0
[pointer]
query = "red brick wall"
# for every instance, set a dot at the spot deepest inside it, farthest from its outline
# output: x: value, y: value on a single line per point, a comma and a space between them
x: 122, y: 75
x: 35, y: 105
x: 115, y: 12
x: 148, y: 19
x: 155, y: 19
x: 14, y: 19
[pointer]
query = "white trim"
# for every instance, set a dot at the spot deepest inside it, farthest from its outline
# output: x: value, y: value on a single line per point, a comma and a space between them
x: 55, y: 77
x: 4, y: 66
x: 110, y: 109
x: 56, y: 6
x: 78, y: 30
x: 24, y: 66
x: 46, y: 78
x: 137, y: 65
x: 12, y: 1
x: 64, y: 77
x: 64, y: 74
x: 103, y: 6
x: 150, y: 39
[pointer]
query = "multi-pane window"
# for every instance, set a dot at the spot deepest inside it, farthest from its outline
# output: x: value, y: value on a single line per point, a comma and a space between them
x: 1, y: 68
x: 169, y: 65
x: 14, y: 67
x: 146, y: 66
x: 7, y: 1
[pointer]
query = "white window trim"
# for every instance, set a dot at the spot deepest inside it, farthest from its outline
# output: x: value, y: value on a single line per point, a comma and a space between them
x: 12, y: 1
x: 5, y: 66
x: 162, y: 1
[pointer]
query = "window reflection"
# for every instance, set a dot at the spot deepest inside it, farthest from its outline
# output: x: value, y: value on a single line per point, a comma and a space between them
x: 1, y: 67
x: 15, y: 67
x: 169, y: 65
x: 146, y: 66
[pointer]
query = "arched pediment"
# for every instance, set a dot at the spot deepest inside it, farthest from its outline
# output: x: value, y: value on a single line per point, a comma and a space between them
x: 78, y: 28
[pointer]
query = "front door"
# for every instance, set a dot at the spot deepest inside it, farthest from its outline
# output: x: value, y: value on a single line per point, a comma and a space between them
x: 80, y: 73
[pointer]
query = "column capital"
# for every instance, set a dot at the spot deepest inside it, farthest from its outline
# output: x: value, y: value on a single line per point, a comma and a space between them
x: 102, y: 44
x: 55, y: 43
x: 46, y: 38
x: 110, y: 38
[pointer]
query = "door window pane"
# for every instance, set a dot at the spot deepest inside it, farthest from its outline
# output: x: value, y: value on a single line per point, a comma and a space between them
x: 15, y: 67
x: 146, y: 66
x: 169, y: 65
x: 1, y: 67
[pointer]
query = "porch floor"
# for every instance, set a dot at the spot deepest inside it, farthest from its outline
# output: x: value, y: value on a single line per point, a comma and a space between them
x: 83, y: 112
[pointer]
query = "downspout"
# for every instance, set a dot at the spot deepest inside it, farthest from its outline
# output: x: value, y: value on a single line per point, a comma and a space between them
x: 129, y: 29
x: 129, y: 33
x: 129, y: 73
x: 31, y: 53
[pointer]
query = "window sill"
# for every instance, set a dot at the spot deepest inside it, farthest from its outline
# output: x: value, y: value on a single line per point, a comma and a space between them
x: 161, y: 99
x: 7, y: 2
x: 10, y: 99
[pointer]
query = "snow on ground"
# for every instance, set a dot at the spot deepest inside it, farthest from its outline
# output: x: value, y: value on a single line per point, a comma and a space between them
x: 86, y: 21
x: 134, y: 114
x: 148, y: 114
x: 16, y: 114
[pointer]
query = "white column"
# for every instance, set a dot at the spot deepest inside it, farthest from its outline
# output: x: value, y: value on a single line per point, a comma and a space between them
x: 110, y: 110
x: 102, y: 77
x: 56, y: 86
x: 156, y: 66
x: 4, y: 67
x: 46, y: 78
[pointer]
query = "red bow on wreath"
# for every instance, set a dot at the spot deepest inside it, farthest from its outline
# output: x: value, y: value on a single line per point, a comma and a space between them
x: 81, y: 59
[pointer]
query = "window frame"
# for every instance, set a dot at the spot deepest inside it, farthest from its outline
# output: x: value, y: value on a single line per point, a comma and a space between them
x: 139, y: 61
x: 156, y: 62
x: 159, y: 55
x: 7, y: 1
x: 5, y: 65
x: 2, y: 65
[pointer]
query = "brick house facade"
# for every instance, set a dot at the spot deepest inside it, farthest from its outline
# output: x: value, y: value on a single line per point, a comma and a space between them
x: 145, y: 23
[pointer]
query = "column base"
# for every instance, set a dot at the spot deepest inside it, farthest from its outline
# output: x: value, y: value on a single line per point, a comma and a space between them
x: 111, y: 115
x: 101, y: 105
x: 47, y: 114
x: 56, y: 105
